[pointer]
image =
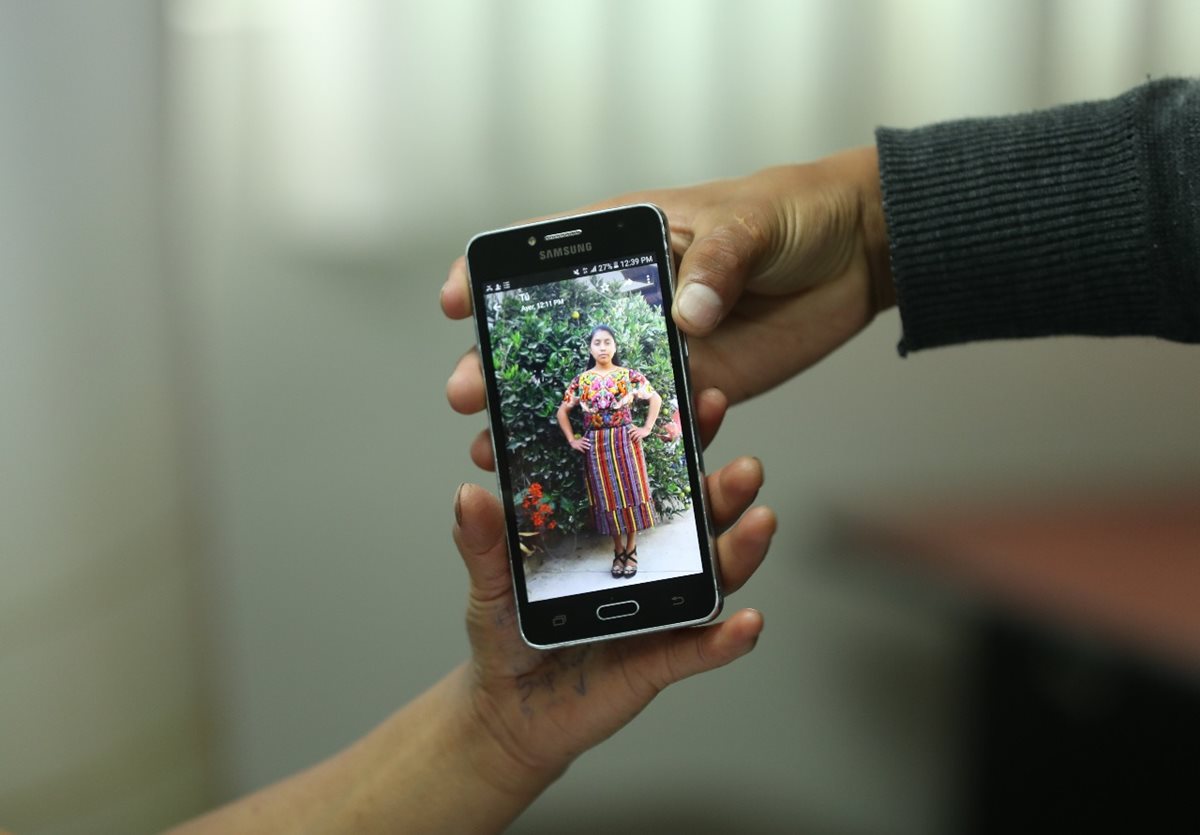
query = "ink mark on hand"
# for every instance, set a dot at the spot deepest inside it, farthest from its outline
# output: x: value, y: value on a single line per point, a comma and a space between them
x: 566, y: 665
x: 505, y: 615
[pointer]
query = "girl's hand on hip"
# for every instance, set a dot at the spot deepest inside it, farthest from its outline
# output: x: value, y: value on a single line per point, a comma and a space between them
x: 711, y: 405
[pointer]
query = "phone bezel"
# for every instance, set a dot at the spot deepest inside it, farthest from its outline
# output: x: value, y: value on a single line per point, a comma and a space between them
x: 504, y: 254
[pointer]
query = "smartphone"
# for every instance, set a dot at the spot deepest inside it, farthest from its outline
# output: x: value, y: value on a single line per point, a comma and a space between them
x: 590, y: 409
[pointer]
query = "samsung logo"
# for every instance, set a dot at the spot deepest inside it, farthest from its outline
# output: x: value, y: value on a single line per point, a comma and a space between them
x: 560, y: 251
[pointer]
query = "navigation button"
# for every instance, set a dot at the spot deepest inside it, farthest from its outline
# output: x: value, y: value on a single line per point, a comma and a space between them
x: 624, y: 609
x: 559, y: 620
x: 677, y: 600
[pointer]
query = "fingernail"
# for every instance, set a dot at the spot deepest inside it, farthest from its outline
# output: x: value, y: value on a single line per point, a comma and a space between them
x: 699, y: 305
x: 458, y: 504
x: 761, y: 629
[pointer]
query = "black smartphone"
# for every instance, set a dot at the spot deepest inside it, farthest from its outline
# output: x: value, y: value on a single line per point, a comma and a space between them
x: 590, y: 407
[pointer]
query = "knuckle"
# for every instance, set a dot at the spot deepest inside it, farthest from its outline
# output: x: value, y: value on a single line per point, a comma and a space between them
x: 720, y: 254
x: 732, y: 248
x: 752, y: 225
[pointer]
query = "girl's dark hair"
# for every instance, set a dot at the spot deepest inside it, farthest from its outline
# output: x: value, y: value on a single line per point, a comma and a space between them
x: 606, y: 329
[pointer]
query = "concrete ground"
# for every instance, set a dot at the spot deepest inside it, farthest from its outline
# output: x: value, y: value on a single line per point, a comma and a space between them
x: 664, y: 551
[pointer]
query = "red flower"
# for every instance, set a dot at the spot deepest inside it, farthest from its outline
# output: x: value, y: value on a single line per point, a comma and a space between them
x: 552, y: 525
x: 539, y: 511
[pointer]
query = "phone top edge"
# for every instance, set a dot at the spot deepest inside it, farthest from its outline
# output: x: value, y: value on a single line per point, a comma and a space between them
x: 561, y: 218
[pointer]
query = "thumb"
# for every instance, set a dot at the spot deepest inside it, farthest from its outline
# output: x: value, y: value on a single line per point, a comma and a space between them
x: 687, y: 652
x: 479, y: 535
x: 716, y: 267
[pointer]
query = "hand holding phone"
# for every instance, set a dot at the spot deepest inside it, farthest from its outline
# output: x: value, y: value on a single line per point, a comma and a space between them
x: 472, y: 751
x: 785, y: 300
x: 546, y: 707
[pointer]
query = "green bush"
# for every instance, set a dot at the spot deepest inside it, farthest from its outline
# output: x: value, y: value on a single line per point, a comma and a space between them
x: 536, y: 354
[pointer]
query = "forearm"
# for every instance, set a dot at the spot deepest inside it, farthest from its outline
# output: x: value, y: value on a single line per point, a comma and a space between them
x: 430, y: 767
x: 1083, y: 219
x: 652, y: 414
x: 564, y: 423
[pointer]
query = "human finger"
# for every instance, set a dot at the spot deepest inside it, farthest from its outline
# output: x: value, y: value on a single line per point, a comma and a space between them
x: 455, y: 296
x: 677, y: 655
x: 481, y: 451
x: 711, y: 406
x: 464, y: 388
x: 732, y: 488
x: 716, y: 266
x: 742, y: 549
x: 480, y: 537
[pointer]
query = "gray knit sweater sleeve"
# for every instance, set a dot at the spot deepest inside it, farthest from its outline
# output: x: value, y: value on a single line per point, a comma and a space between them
x: 1082, y: 219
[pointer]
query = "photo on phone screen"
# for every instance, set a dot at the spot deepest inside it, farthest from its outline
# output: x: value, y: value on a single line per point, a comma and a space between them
x: 589, y: 344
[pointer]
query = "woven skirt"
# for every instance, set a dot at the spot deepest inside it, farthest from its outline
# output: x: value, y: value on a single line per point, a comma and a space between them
x: 618, y: 487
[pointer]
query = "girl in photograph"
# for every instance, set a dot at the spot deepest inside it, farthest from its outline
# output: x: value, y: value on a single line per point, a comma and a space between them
x: 614, y: 466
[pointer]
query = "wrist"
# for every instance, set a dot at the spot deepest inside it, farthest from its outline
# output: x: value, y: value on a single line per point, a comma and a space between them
x: 441, y: 750
x: 432, y: 766
x: 494, y: 758
x: 873, y: 228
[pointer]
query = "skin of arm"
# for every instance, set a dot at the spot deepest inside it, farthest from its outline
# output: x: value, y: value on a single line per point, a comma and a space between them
x: 469, y: 754
x: 640, y: 432
x: 564, y: 423
x: 430, y: 767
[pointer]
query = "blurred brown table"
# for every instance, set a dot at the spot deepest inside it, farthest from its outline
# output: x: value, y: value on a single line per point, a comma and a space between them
x: 1123, y: 568
x: 1083, y: 708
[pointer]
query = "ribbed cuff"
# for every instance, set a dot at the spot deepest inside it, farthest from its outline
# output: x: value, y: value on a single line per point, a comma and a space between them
x: 1021, y: 226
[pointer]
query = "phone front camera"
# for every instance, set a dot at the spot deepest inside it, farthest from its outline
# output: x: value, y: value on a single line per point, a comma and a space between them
x: 532, y: 240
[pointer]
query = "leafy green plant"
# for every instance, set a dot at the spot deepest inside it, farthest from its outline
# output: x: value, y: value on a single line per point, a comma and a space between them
x: 539, y: 346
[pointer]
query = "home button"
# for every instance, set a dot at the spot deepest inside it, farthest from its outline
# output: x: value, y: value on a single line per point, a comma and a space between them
x: 624, y: 609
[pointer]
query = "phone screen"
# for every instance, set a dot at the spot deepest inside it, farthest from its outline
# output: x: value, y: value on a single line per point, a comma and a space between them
x: 590, y: 343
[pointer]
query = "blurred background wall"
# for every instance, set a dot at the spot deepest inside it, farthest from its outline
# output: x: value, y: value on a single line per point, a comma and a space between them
x: 101, y: 693
x: 227, y: 461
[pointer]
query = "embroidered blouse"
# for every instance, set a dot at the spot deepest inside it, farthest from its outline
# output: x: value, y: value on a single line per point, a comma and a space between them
x: 606, y: 398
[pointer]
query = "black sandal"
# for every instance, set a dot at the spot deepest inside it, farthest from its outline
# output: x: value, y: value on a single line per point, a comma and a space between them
x: 619, y: 566
x: 631, y: 562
